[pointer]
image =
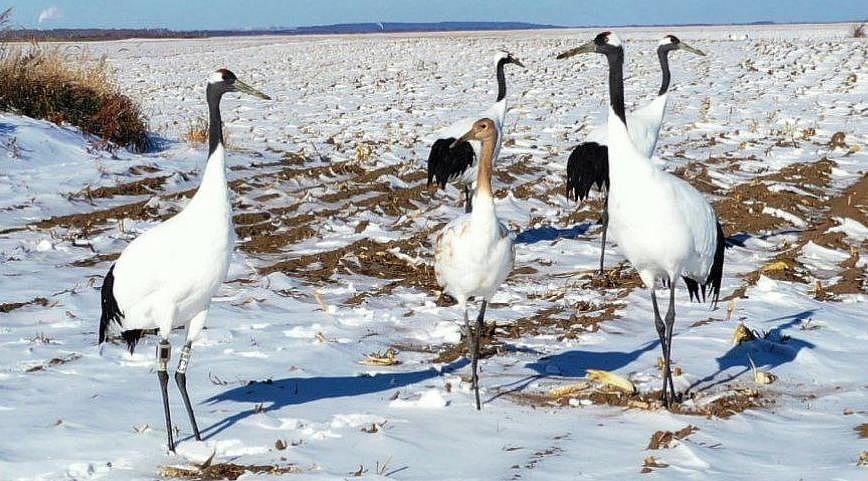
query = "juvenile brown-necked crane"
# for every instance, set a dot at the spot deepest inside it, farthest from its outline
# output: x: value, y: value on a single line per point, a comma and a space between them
x: 167, y: 276
x: 588, y: 164
x: 663, y: 226
x: 447, y: 162
x: 475, y: 252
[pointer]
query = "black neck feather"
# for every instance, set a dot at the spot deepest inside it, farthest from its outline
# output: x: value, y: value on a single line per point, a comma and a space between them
x: 616, y: 82
x: 663, y: 55
x: 215, y: 122
x: 501, y: 79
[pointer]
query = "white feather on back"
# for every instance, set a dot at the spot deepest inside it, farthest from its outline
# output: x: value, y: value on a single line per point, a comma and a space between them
x: 662, y: 225
x: 170, y: 273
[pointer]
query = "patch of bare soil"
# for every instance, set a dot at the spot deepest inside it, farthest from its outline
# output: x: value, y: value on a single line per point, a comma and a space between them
x: 722, y: 405
x: 220, y: 471
x: 11, y: 306
x: 851, y: 203
x: 743, y: 205
x: 57, y: 361
x: 97, y: 259
x: 145, y: 186
x: 91, y: 221
x: 665, y: 439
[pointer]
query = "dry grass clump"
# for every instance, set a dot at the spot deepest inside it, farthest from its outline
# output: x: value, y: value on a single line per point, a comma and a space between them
x: 51, y: 84
x: 197, y: 133
x: 858, y: 31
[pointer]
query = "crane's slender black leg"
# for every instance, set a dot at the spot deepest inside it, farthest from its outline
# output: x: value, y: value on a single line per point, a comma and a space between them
x: 480, y: 323
x: 468, y: 334
x: 164, y: 352
x: 605, y: 220
x: 181, y: 381
x: 661, y: 332
x: 468, y: 197
x: 670, y: 325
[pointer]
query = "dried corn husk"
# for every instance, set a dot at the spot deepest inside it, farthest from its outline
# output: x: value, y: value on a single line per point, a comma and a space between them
x: 569, y: 389
x: 612, y: 379
x: 742, y: 334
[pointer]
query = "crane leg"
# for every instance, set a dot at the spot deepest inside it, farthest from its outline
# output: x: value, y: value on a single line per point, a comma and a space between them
x: 468, y: 196
x: 605, y: 220
x: 670, y: 325
x: 181, y: 381
x: 480, y: 323
x: 661, y: 332
x: 164, y: 352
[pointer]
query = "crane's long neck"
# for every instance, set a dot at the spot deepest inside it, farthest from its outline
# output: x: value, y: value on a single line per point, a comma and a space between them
x: 501, y: 80
x: 616, y: 83
x: 483, y: 174
x: 213, y: 193
x: 663, y: 55
x: 215, y: 122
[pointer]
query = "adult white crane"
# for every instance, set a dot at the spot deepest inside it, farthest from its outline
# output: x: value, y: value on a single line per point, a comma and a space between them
x: 166, y: 277
x: 446, y: 162
x: 588, y: 164
x: 475, y: 252
x: 664, y: 227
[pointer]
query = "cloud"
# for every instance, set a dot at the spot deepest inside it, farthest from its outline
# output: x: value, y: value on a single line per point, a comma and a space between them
x: 50, y: 13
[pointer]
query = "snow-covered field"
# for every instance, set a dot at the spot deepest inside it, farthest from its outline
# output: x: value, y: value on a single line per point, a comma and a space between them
x: 333, y: 264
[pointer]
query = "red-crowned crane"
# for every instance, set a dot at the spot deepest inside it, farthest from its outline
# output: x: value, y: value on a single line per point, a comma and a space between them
x: 475, y: 252
x: 446, y: 162
x: 664, y: 227
x: 167, y: 276
x: 588, y: 164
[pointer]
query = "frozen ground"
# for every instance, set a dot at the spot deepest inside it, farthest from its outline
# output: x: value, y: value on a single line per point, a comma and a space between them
x: 333, y: 264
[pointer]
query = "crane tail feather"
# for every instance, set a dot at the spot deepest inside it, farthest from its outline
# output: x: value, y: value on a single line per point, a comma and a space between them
x: 446, y: 162
x: 711, y: 286
x: 587, y: 166
x: 111, y: 313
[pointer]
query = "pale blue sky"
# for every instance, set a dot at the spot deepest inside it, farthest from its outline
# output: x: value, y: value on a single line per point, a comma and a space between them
x: 244, y: 14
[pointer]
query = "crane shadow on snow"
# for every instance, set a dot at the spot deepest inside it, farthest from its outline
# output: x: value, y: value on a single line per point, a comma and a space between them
x: 769, y: 352
x: 576, y: 364
x: 548, y: 233
x: 276, y: 394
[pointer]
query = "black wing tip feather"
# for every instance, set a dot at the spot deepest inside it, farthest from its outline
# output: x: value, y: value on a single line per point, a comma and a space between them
x: 446, y: 162
x: 111, y: 312
x: 587, y: 166
x: 715, y: 275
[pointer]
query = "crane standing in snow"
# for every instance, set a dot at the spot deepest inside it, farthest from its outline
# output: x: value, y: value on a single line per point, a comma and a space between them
x: 588, y: 165
x: 664, y: 227
x: 475, y: 252
x: 447, y: 162
x: 166, y: 277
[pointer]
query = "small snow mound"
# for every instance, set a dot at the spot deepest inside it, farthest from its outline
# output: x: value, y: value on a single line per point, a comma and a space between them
x: 195, y: 451
x: 851, y: 228
x: 430, y: 399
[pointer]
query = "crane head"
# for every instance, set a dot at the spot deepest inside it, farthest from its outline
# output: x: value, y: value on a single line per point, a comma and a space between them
x: 223, y: 80
x: 670, y: 42
x: 604, y: 43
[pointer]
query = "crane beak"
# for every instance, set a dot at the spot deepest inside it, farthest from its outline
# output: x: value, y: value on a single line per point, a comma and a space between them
x: 239, y: 86
x: 589, y: 47
x: 518, y: 62
x: 464, y: 138
x: 688, y: 48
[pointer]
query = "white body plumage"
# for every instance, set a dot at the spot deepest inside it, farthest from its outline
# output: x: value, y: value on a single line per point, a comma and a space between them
x: 474, y: 253
x: 167, y: 276
x: 662, y: 225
